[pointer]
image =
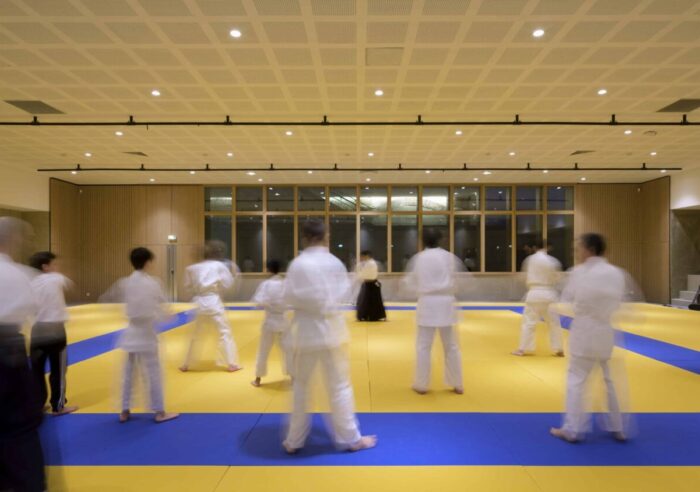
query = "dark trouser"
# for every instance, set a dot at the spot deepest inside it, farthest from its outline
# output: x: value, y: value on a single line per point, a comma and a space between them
x: 370, y: 306
x: 49, y: 343
x: 21, y: 457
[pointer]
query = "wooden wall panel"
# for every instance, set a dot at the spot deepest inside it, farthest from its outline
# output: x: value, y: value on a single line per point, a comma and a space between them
x: 655, y: 226
x: 64, y: 230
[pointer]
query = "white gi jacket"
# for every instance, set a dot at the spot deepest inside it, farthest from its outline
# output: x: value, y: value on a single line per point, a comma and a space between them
x: 49, y: 289
x: 316, y: 286
x: 17, y: 300
x: 144, y: 299
x: 206, y: 280
x: 596, y: 289
x: 542, y: 277
x: 367, y: 271
x: 270, y: 296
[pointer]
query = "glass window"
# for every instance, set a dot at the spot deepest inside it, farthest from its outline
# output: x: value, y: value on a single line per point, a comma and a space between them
x: 280, y: 239
x: 249, y: 230
x: 373, y: 237
x: 404, y: 240
x: 436, y: 199
x: 404, y: 198
x: 280, y: 198
x: 528, y: 228
x: 311, y: 199
x: 342, y: 238
x: 218, y: 227
x: 560, y: 198
x: 466, y: 198
x: 217, y: 199
x: 373, y: 199
x: 528, y: 198
x: 300, y: 224
x: 249, y: 199
x: 560, y: 238
x: 498, y: 198
x: 343, y: 199
x: 467, y: 231
x: 442, y: 223
x: 498, y: 243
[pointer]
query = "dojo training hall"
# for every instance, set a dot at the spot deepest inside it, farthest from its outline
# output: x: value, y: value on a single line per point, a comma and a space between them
x: 169, y: 123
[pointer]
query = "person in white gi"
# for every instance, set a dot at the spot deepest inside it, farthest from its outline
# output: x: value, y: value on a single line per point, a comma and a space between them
x: 542, y: 272
x: 207, y: 280
x: 596, y: 289
x: 316, y: 285
x: 144, y: 299
x: 432, y: 273
x: 270, y: 296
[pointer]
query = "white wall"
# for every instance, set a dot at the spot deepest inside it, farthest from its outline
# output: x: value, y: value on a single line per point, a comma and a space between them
x: 685, y: 189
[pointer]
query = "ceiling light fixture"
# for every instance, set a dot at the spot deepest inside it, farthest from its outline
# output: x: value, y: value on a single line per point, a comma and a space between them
x: 476, y: 179
x: 545, y: 171
x: 511, y: 154
x: 652, y: 153
x: 251, y: 173
x: 289, y: 133
x: 260, y: 180
x: 235, y: 33
x: 486, y: 173
x: 370, y: 154
x: 118, y: 133
x: 458, y: 132
x: 155, y: 92
x: 309, y: 172
x: 628, y: 132
x: 229, y: 154
x: 538, y: 33
x: 427, y: 171
x: 379, y: 93
x: 193, y: 172
x: 583, y: 178
x: 74, y: 172
x: 368, y: 179
x: 602, y: 92
x: 663, y: 170
x: 152, y: 180
x: 88, y: 154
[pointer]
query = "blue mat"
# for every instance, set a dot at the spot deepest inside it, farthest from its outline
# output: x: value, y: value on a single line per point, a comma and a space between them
x: 409, y: 439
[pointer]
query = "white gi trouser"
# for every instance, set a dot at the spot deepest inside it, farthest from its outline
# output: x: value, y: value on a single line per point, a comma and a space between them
x: 534, y: 313
x: 453, y: 356
x: 146, y: 363
x: 334, y: 367
x: 576, y: 420
x: 267, y: 340
x: 228, y: 352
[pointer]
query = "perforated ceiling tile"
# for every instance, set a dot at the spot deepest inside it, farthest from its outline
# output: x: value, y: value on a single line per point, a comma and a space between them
x: 446, y: 7
x: 222, y: 7
x: 378, y: 57
x: 437, y: 32
x: 184, y: 32
x: 502, y: 7
x: 336, y: 32
x: 333, y: 7
x: 389, y: 7
x: 588, y: 32
x: 285, y: 32
x: 277, y: 7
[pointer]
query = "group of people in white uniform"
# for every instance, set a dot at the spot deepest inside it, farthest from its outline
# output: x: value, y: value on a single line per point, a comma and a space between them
x: 315, y: 289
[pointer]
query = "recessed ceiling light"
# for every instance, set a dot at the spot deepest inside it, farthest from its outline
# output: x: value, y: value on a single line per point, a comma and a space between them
x: 652, y: 153
x: 368, y: 179
x: 427, y: 171
x: 458, y: 132
x: 370, y: 154
x: 74, y: 172
x: 289, y: 133
x: 155, y: 92
x: 235, y: 33
x: 486, y: 173
x: 88, y: 154
x: 118, y: 133
x: 583, y: 178
x: 270, y: 188
x: 379, y: 92
x: 251, y: 173
x: 663, y: 170
x: 152, y: 180
x: 260, y: 180
x: 193, y: 172
x: 538, y: 33
x: 511, y: 154
x: 277, y: 194
x: 545, y: 171
x: 559, y: 187
x: 628, y: 132
x: 229, y: 154
x: 476, y: 179
x: 309, y: 172
x: 602, y: 92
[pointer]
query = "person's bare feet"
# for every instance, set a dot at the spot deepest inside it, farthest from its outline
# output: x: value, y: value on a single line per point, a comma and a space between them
x: 419, y: 391
x: 233, y: 368
x: 365, y: 442
x: 256, y: 382
x: 124, y: 416
x: 64, y: 411
x: 619, y: 436
x: 562, y: 434
x: 559, y: 354
x: 164, y: 417
x: 459, y: 391
x: 288, y: 449
x: 519, y: 353
x: 184, y: 368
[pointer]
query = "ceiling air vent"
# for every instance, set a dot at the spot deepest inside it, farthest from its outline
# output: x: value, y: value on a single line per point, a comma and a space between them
x: 681, y: 106
x: 136, y: 153
x: 35, y: 107
x: 579, y: 152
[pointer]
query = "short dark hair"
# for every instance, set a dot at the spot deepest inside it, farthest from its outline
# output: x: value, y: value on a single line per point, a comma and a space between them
x: 366, y: 253
x: 595, y: 243
x: 313, y: 230
x: 274, y: 266
x: 139, y: 257
x: 431, y: 237
x: 38, y: 260
x: 214, y: 250
x: 537, y: 243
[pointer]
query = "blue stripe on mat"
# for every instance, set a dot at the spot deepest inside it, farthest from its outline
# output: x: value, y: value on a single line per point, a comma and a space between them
x: 408, y: 439
x: 668, y: 353
x: 517, y: 309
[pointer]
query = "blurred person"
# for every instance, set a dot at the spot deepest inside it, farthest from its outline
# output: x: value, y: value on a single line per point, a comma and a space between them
x: 370, y: 305
x: 542, y: 271
x: 432, y: 274
x: 207, y: 280
x: 48, y: 338
x: 596, y: 290
x: 144, y: 299
x: 317, y: 284
x: 270, y: 296
x: 21, y: 454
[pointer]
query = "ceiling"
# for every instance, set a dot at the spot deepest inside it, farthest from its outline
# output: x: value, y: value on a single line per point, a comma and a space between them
x: 297, y: 60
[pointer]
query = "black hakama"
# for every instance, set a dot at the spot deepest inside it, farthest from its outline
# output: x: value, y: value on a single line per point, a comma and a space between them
x: 370, y: 305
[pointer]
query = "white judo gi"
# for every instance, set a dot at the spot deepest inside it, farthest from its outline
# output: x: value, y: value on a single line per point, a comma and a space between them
x: 542, y: 277
x: 144, y: 299
x: 317, y: 284
x: 596, y: 290
x: 207, y: 280
x: 432, y: 274
x: 270, y: 296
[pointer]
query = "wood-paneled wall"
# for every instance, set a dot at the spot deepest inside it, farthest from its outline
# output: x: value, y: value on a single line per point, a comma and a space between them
x: 634, y: 218
x: 114, y: 219
x: 64, y: 231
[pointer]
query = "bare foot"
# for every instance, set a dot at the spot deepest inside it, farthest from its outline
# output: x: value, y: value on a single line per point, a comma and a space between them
x: 288, y: 449
x: 124, y: 416
x: 519, y: 353
x: 365, y: 442
x: 233, y: 368
x: 184, y: 368
x: 459, y: 391
x: 256, y: 382
x: 64, y: 411
x: 559, y: 354
x: 619, y: 436
x: 561, y: 434
x: 164, y: 417
x: 419, y: 391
